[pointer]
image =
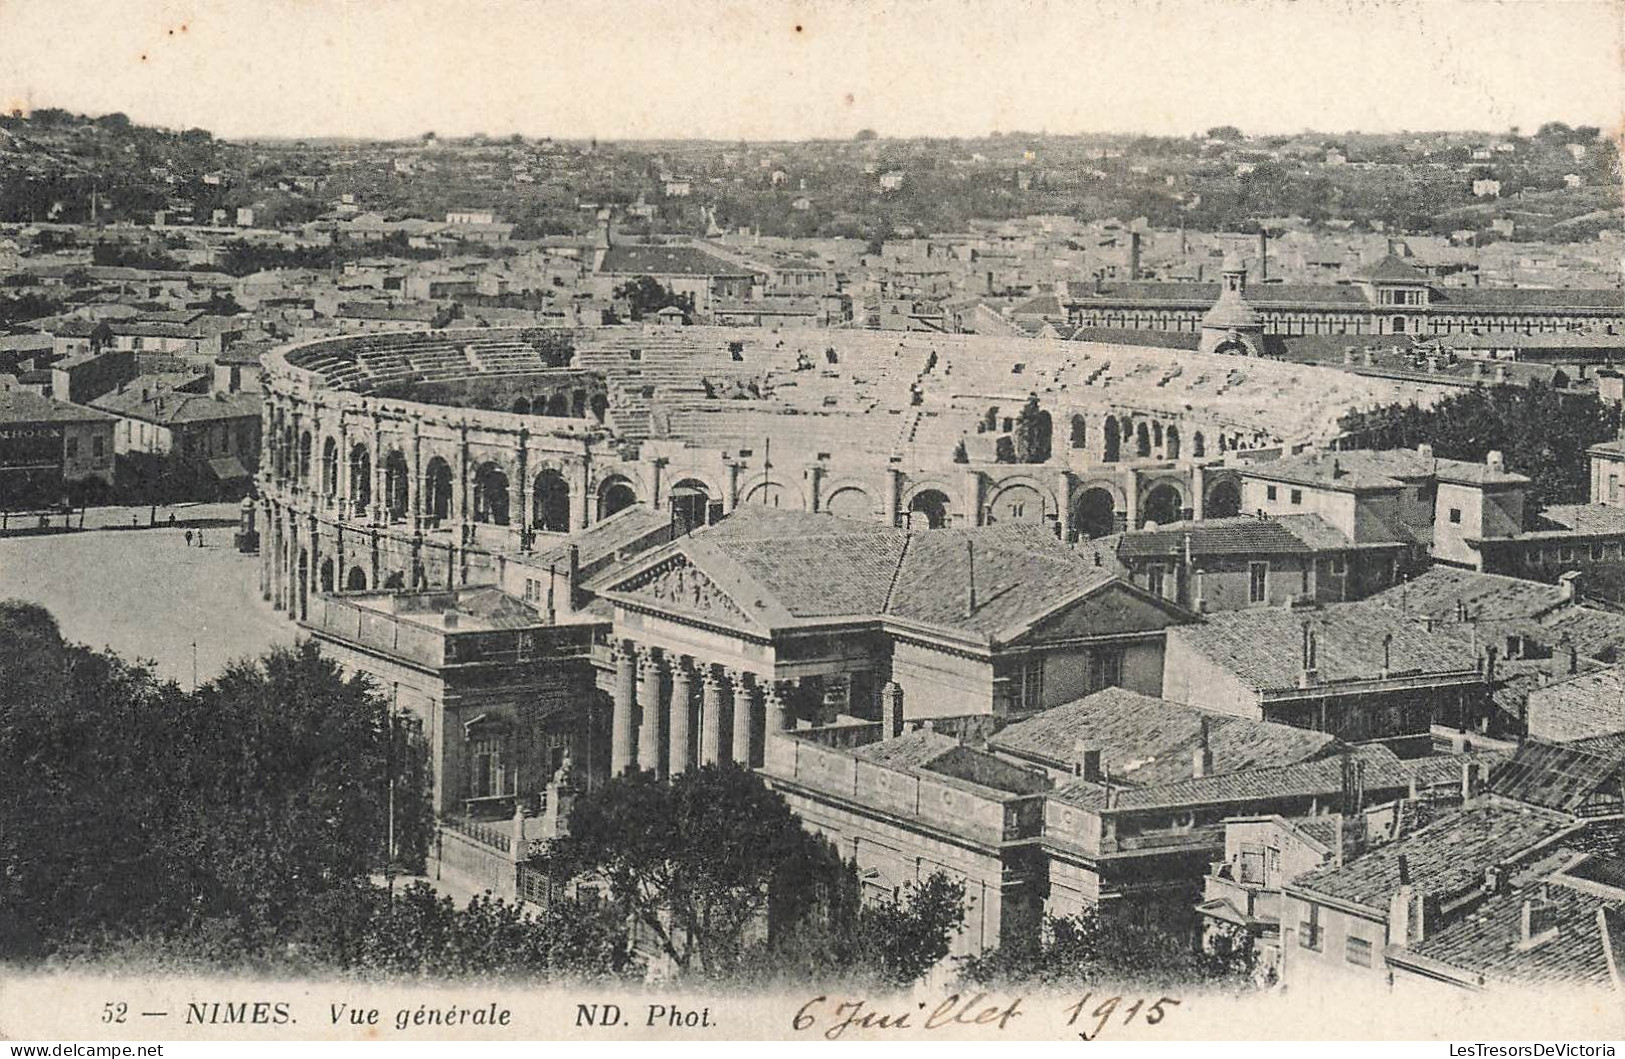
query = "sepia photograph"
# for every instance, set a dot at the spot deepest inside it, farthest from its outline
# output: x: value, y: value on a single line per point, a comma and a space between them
x: 827, y: 520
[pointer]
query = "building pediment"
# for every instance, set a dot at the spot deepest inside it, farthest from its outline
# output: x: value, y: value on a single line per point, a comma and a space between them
x: 677, y: 584
x: 1116, y: 609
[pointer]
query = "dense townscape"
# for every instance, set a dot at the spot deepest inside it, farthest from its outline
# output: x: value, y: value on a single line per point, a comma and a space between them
x: 1190, y: 562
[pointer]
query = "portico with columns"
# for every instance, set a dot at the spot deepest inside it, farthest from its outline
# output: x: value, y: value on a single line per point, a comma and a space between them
x: 773, y: 621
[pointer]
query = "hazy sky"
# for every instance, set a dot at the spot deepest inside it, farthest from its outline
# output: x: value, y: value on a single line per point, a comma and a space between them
x: 785, y: 69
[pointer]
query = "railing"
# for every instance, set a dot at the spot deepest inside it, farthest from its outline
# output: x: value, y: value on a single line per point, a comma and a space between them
x: 497, y: 836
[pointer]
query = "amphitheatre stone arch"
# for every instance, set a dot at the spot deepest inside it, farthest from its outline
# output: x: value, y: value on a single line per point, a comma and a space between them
x: 1163, y: 500
x: 491, y: 494
x: 850, y: 501
x: 1095, y: 505
x: 550, y: 502
x: 616, y: 492
x: 1021, y: 498
x: 1223, y: 499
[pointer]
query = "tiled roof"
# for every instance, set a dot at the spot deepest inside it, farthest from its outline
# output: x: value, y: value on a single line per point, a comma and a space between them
x: 926, y: 751
x: 1146, y: 741
x: 1579, y: 707
x: 1445, y: 857
x: 1241, y: 535
x: 170, y: 407
x: 1377, y: 469
x: 1488, y: 942
x: 1581, y: 518
x: 1515, y: 298
x: 1263, y: 647
x: 21, y: 406
x: 1437, y: 591
x: 1392, y: 269
x: 1561, y: 776
x: 817, y: 566
x: 1384, y: 774
x: 667, y: 261
x: 385, y: 311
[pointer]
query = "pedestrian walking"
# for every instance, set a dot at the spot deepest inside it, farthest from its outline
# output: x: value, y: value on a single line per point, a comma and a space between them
x: 188, y: 538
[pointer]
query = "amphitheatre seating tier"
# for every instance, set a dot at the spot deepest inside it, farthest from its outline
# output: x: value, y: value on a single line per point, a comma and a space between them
x: 891, y: 392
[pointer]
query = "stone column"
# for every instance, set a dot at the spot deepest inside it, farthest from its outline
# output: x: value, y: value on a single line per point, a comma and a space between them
x: 680, y: 756
x: 522, y: 523
x: 777, y: 713
x: 730, y: 497
x: 650, y: 708
x: 893, y: 490
x: 621, y: 749
x: 313, y: 576
x: 744, y: 721
x: 267, y: 537
x: 815, y: 484
x: 1198, y: 492
x: 414, y: 481
x: 1063, y: 497
x: 377, y: 470
x: 1131, y: 493
x: 580, y: 503
x: 970, y: 513
x: 273, y: 525
x: 711, y: 739
x: 462, y: 474
x: 346, y: 507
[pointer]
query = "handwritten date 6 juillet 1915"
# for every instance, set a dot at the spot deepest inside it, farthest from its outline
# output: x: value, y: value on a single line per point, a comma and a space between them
x: 1088, y: 1016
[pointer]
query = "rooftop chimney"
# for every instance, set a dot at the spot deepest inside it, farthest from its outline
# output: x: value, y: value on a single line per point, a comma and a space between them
x: 970, y: 566
x: 1425, y: 449
x: 1537, y: 924
x: 1202, y: 756
x: 1134, y: 255
x: 1086, y: 761
x: 891, y: 710
x: 1310, y: 675
x: 1471, y: 771
x: 1495, y: 461
x: 1263, y: 255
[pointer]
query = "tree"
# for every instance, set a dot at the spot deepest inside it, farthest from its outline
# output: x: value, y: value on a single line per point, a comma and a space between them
x: 1542, y: 431
x: 646, y: 296
x: 1032, y: 433
x: 691, y: 860
x: 1086, y: 949
x: 705, y: 862
x: 420, y: 933
x: 222, y: 812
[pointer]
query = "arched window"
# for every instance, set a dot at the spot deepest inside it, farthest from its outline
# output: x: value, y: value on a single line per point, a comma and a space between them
x: 304, y: 457
x: 1113, y: 444
x: 437, y: 491
x: 330, y: 468
x: 396, y: 477
x: 551, y: 502
x: 1142, y: 440
x: 491, y: 495
x: 1198, y: 445
x: 1172, y: 443
x: 1080, y: 432
x: 360, y: 478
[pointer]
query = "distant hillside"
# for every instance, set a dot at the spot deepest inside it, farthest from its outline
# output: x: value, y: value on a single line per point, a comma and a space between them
x: 51, y: 161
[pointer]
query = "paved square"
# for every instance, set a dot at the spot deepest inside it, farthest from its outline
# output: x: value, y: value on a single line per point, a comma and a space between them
x: 145, y: 593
